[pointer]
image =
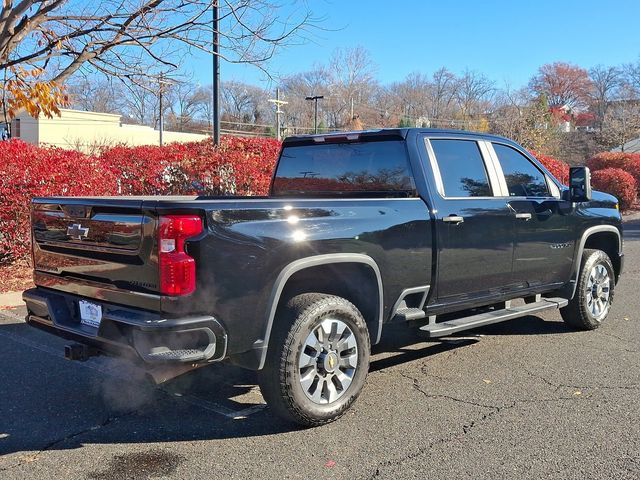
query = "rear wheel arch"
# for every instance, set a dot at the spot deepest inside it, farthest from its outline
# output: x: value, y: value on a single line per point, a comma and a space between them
x: 354, y: 277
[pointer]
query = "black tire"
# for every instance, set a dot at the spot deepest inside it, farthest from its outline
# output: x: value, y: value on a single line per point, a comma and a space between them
x: 281, y: 379
x: 579, y: 313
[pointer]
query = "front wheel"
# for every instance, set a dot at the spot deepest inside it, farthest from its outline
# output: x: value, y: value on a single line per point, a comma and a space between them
x: 317, y: 361
x: 594, y: 293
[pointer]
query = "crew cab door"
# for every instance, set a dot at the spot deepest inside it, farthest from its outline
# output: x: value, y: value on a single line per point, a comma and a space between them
x: 474, y: 227
x: 544, y: 243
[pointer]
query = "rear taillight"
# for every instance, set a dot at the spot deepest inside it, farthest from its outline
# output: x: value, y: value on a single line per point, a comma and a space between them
x: 177, y: 269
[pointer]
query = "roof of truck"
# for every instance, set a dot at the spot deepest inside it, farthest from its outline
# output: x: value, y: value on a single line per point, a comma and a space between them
x: 380, y: 134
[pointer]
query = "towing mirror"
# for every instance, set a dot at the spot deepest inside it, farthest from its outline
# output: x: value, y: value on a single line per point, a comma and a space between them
x: 579, y: 184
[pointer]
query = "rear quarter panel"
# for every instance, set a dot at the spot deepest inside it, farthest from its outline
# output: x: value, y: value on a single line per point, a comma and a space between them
x: 249, y: 242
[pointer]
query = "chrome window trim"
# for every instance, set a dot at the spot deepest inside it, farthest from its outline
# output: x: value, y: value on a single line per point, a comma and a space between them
x: 496, y: 176
x: 492, y: 174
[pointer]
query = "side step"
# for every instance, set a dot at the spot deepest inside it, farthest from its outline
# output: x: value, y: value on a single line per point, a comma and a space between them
x: 452, y: 326
x: 407, y: 314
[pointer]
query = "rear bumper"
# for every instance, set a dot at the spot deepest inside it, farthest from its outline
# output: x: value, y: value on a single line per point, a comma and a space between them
x: 128, y: 331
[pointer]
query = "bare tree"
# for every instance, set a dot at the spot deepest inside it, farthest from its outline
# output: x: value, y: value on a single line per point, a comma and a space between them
x: 412, y: 96
x: 442, y: 93
x: 298, y: 116
x: 526, y: 119
x: 243, y: 103
x: 130, y: 38
x: 605, y: 84
x: 141, y: 102
x: 96, y: 94
x: 352, y: 77
x: 185, y: 101
x: 631, y: 78
x: 473, y: 94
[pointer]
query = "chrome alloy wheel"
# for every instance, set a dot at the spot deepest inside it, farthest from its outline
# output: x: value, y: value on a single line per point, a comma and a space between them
x: 598, y: 291
x: 328, y: 361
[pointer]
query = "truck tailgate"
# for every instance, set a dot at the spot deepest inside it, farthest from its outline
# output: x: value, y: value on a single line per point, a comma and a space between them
x: 98, y: 241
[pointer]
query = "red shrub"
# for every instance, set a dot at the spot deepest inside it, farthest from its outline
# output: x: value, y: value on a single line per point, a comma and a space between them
x: 240, y: 166
x: 27, y: 171
x: 629, y: 162
x: 138, y: 169
x: 616, y: 182
x: 557, y: 168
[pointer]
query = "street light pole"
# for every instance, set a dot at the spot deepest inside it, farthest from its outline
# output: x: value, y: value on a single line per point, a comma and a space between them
x: 216, y: 76
x: 315, y: 99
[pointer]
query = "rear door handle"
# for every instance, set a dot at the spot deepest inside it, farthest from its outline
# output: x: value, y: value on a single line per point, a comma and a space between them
x: 456, y: 219
x: 523, y: 216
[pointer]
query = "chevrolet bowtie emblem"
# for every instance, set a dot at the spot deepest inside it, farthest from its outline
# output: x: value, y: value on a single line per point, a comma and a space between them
x: 331, y: 362
x: 77, y: 231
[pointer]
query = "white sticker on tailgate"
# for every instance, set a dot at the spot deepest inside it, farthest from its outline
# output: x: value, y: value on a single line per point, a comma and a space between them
x: 90, y: 313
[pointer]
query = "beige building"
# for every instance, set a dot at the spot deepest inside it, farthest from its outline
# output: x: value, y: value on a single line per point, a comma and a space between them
x: 86, y: 131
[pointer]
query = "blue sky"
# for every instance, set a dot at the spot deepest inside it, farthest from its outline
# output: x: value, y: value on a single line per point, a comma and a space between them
x: 505, y: 40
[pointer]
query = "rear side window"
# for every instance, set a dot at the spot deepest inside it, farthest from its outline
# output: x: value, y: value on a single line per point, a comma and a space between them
x: 522, y: 176
x: 461, y: 168
x: 344, y: 168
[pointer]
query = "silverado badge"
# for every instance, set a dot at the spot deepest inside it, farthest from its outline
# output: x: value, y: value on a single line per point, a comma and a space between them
x: 77, y: 231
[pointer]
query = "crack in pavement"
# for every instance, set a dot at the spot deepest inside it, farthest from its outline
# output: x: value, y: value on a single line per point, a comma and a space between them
x: 33, y: 457
x: 416, y: 386
x: 466, y: 428
x: 558, y: 386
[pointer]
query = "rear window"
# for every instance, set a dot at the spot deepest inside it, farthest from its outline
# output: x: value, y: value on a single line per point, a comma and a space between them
x: 345, y: 168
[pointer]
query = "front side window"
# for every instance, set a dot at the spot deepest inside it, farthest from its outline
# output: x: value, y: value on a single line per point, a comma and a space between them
x: 523, y: 177
x: 461, y: 168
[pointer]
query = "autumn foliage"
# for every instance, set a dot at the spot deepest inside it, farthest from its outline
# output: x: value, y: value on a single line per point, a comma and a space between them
x: 28, y: 90
x: 629, y: 162
x: 617, y: 182
x: 240, y: 166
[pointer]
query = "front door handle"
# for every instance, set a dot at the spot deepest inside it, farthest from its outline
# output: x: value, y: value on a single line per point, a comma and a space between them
x: 523, y: 216
x: 455, y: 219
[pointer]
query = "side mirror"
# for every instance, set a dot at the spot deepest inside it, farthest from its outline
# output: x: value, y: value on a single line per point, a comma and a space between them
x: 579, y: 184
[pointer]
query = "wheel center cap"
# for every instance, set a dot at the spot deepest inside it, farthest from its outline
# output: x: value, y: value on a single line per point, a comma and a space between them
x: 599, y: 291
x: 330, y: 362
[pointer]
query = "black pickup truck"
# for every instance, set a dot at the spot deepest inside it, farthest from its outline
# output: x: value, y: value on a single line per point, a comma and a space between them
x: 452, y: 230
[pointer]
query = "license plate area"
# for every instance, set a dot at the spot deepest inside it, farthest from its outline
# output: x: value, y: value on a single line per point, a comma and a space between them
x: 90, y: 313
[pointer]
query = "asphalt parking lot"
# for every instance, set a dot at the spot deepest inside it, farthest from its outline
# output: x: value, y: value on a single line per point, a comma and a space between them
x: 524, y: 399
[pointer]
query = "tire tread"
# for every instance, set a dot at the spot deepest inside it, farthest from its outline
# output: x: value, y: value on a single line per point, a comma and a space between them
x: 275, y: 378
x: 575, y: 313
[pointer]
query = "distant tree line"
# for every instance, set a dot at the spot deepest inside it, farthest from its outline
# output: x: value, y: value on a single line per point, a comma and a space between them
x: 600, y: 107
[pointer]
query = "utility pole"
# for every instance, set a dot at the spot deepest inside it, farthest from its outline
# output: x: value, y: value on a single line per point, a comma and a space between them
x: 161, y: 82
x: 161, y: 126
x: 216, y: 76
x: 315, y: 99
x: 278, y: 103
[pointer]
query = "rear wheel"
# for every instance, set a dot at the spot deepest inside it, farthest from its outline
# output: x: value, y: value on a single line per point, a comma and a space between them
x: 594, y: 292
x: 317, y: 361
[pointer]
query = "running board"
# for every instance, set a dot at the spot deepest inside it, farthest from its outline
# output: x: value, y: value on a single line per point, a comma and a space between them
x: 465, y: 323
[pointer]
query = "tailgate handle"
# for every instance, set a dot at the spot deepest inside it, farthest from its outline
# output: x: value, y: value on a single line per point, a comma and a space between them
x: 523, y: 216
